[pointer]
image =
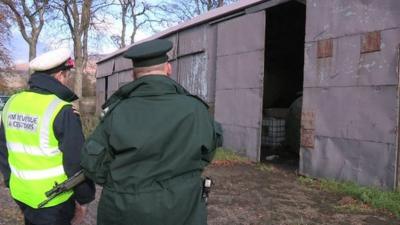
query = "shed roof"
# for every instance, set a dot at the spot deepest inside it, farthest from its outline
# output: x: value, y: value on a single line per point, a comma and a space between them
x: 206, y: 17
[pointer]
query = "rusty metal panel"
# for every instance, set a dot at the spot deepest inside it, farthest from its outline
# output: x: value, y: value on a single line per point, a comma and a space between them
x: 307, y: 130
x: 371, y: 42
x: 367, y: 163
x: 339, y: 70
x: 379, y: 68
x: 193, y: 74
x: 239, y: 98
x: 122, y: 63
x: 232, y: 65
x: 361, y: 113
x: 192, y: 40
x: 242, y: 34
x: 348, y: 67
x: 105, y: 68
x: 354, y: 93
x: 335, y: 18
x: 124, y: 77
x: 100, y: 94
x: 325, y: 48
x: 113, y: 84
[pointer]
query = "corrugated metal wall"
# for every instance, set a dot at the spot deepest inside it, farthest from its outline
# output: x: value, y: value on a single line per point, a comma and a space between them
x: 350, y: 104
x: 239, y: 86
x: 111, y: 75
x: 192, y: 62
x: 204, y: 55
x: 100, y: 93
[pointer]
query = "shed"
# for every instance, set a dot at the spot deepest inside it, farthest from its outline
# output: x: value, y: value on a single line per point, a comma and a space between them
x: 252, y: 60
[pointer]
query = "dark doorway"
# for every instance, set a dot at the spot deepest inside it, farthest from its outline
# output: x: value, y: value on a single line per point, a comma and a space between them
x: 283, y: 83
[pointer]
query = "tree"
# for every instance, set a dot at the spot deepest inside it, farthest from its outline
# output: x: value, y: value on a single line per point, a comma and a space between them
x: 77, y: 16
x: 5, y: 59
x: 135, y: 12
x: 30, y: 20
x: 182, y: 10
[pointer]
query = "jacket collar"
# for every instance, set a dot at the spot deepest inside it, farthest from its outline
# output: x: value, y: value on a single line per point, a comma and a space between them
x: 151, y: 85
x: 46, y: 84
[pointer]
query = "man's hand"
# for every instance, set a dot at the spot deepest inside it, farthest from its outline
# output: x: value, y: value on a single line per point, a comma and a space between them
x: 75, y: 110
x: 80, y: 213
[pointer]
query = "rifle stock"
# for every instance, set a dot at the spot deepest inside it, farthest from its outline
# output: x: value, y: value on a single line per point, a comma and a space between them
x: 67, y: 185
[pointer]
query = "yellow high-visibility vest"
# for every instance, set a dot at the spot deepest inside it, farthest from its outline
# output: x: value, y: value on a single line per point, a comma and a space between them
x: 36, y: 162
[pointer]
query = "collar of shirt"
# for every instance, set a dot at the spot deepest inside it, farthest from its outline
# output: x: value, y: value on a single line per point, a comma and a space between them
x: 43, y: 83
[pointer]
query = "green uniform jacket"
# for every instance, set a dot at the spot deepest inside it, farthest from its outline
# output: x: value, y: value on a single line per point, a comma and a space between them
x: 148, y: 153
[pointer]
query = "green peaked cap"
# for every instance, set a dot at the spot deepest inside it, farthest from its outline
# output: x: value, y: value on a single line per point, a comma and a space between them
x: 149, y: 53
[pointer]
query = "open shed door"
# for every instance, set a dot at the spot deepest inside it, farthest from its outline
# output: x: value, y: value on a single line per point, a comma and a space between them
x: 239, y: 82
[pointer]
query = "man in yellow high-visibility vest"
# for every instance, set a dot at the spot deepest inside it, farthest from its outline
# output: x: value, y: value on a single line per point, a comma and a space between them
x: 40, y: 142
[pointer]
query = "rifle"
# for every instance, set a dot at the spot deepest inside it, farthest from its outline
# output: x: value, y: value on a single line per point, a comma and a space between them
x: 67, y: 185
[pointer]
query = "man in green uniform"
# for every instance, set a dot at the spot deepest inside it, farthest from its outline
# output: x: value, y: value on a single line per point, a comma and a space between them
x: 151, y: 147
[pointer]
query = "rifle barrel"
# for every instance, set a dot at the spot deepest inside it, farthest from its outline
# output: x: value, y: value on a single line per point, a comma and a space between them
x: 67, y: 185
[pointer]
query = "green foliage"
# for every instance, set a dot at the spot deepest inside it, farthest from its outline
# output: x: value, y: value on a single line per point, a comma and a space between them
x: 352, y: 208
x: 378, y: 199
x: 306, y: 180
x: 265, y: 167
x: 228, y: 155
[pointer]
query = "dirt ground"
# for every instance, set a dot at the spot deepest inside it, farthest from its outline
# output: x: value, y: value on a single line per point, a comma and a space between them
x: 257, y: 194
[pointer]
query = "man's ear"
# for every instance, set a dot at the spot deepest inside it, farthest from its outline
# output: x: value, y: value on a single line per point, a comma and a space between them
x: 168, y: 69
x: 58, y: 75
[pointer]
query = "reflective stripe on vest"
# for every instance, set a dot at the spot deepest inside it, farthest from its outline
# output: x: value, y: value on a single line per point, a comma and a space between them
x: 34, y: 157
x: 38, y: 175
x: 32, y: 150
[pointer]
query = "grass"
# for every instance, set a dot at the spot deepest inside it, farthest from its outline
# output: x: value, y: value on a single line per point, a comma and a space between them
x: 385, y: 200
x: 228, y: 155
x: 265, y: 167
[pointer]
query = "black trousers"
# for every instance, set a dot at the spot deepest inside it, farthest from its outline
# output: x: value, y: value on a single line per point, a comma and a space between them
x: 61, y: 214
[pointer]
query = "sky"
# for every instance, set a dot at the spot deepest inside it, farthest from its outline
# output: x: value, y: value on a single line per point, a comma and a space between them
x: 48, y: 40
x: 19, y: 48
x: 54, y: 31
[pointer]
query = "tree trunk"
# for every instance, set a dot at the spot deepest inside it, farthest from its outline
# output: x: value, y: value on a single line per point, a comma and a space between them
x: 134, y: 24
x: 32, y: 49
x: 78, y: 67
x: 198, y: 11
x: 123, y: 33
x: 209, y: 5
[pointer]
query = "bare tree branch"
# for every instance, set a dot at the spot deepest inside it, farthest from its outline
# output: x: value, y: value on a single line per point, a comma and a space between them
x: 182, y: 10
x: 35, y: 21
x: 5, y: 34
